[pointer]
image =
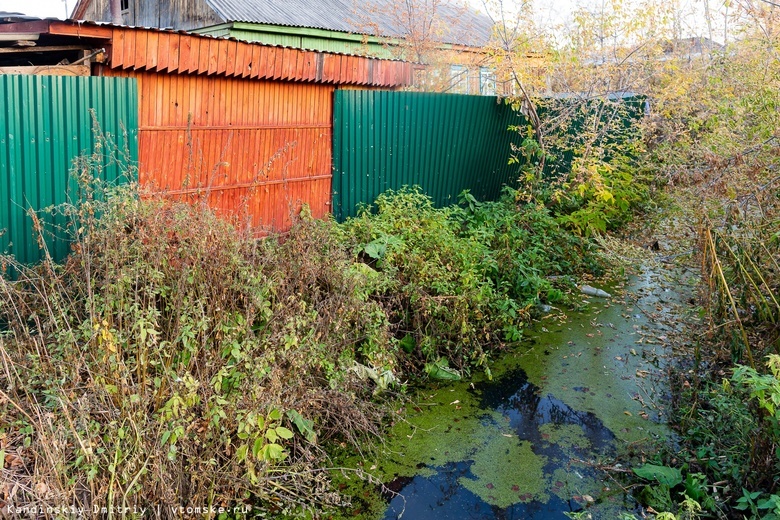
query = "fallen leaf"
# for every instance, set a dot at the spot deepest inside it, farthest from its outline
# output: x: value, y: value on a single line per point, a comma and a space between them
x: 13, y: 461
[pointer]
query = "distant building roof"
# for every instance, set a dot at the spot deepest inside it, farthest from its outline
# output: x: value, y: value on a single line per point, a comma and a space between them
x: 459, y: 24
x: 691, y: 46
x: 454, y: 22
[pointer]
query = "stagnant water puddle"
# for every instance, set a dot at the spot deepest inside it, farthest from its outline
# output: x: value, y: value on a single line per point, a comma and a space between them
x: 527, y: 443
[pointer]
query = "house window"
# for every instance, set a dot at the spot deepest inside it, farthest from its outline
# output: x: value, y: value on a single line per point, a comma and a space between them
x: 459, y: 79
x: 487, y: 82
x: 124, y: 5
x: 420, y: 78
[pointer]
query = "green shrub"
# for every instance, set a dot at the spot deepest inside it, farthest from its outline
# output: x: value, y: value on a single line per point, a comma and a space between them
x: 732, y: 434
x: 461, y: 280
x: 529, y: 247
x: 434, y: 282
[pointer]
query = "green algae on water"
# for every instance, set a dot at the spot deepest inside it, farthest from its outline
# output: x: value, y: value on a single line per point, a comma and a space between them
x: 506, y: 472
x: 451, y: 427
x: 565, y: 436
x: 576, y: 392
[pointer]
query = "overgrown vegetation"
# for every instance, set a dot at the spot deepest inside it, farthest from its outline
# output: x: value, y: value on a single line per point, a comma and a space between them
x: 172, y: 360
x: 592, y: 178
x: 456, y: 280
x: 713, y: 137
x: 175, y: 359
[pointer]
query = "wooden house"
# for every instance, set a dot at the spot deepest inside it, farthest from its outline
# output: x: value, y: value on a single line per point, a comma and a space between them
x: 444, y: 39
x: 246, y: 127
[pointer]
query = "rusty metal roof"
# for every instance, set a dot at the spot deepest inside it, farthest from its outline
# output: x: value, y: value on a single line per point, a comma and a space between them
x: 165, y: 51
x: 180, y: 52
x: 453, y: 23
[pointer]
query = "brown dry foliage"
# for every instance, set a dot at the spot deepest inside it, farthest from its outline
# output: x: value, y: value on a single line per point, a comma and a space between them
x: 130, y: 373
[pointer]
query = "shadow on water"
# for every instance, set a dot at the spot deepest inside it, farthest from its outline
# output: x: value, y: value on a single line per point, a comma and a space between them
x: 521, y: 405
x: 443, y: 497
x: 524, y: 444
x: 516, y: 398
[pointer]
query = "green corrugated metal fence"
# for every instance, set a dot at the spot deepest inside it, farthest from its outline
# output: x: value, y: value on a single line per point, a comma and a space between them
x: 444, y: 143
x: 45, y: 122
x: 581, y: 116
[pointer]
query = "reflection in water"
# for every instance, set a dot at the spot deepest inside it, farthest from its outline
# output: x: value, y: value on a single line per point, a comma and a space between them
x: 441, y: 496
x: 516, y: 398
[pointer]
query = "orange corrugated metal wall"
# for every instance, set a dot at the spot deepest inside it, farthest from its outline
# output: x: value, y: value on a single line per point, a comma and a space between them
x: 254, y: 149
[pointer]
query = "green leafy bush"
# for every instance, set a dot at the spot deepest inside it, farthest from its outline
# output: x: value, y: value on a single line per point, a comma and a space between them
x: 733, y: 434
x: 460, y: 280
x: 529, y: 247
x: 434, y: 282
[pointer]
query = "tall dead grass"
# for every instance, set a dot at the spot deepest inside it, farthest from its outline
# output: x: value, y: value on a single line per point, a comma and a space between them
x: 174, y: 360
